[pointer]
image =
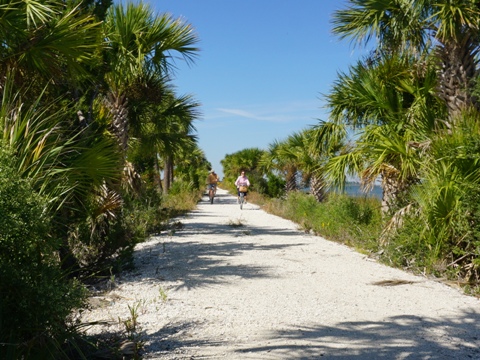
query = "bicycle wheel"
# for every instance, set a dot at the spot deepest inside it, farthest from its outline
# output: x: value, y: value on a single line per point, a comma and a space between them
x: 242, y: 195
x: 211, y: 195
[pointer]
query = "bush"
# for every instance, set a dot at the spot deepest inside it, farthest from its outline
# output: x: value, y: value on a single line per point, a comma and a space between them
x: 36, y: 298
x: 181, y: 198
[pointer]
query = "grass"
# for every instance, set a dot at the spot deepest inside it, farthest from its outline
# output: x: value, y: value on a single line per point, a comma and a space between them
x: 353, y: 221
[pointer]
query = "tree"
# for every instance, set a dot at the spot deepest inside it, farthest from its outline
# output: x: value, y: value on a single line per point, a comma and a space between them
x: 387, y: 101
x: 297, y: 156
x: 248, y: 160
x: 447, y: 29
x: 279, y: 158
x: 191, y: 166
x: 167, y: 130
x: 311, y: 161
x: 46, y: 43
x: 139, y: 46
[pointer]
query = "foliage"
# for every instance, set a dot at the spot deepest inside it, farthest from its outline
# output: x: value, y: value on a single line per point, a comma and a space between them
x: 89, y: 200
x: 102, y: 247
x: 37, y: 298
x: 446, y: 205
x: 247, y: 160
x: 182, y: 197
x: 273, y: 186
x: 354, y: 221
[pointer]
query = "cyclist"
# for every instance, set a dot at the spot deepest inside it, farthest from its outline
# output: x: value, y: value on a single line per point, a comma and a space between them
x: 212, y: 180
x: 242, y: 180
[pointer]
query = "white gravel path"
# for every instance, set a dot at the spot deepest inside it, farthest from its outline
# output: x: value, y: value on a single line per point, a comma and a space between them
x: 266, y: 290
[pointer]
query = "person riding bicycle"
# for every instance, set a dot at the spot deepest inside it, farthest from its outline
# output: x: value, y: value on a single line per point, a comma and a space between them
x: 212, y: 180
x: 242, y: 180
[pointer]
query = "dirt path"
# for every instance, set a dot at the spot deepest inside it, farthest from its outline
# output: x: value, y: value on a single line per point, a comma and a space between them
x: 265, y: 290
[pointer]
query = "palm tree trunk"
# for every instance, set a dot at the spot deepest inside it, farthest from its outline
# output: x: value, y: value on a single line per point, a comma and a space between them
x: 291, y: 180
x: 457, y: 71
x: 157, y: 180
x: 317, y: 188
x: 167, y: 174
x: 171, y: 172
x: 394, y: 191
x: 117, y: 103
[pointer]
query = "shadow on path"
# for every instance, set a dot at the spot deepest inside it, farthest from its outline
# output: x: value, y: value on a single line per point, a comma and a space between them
x: 400, y: 337
x: 405, y: 337
x: 221, y: 199
x: 197, y: 264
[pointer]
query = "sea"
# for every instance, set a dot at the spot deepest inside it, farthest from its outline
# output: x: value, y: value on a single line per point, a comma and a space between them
x: 354, y: 189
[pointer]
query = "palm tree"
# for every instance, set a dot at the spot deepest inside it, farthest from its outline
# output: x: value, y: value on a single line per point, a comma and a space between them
x: 140, y: 47
x: 61, y: 164
x: 447, y: 29
x: 311, y: 160
x: 44, y: 42
x: 248, y: 160
x: 191, y: 165
x: 280, y: 157
x: 167, y: 129
x: 389, y: 104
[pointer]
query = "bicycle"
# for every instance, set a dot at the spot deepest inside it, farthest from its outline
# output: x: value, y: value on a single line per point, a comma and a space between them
x: 211, y: 193
x: 242, y: 190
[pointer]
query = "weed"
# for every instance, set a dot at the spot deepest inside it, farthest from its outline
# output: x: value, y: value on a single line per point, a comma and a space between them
x: 131, y: 323
x: 163, y: 294
x: 132, y: 330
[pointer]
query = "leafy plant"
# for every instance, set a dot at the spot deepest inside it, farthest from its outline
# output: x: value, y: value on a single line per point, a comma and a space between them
x: 37, y: 298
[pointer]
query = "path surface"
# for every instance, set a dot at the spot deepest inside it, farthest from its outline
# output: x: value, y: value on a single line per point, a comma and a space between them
x: 266, y: 290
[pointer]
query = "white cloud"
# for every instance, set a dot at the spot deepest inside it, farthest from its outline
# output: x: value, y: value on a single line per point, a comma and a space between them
x: 287, y: 112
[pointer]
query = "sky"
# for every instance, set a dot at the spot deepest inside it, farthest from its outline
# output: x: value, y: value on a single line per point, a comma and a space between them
x: 263, y: 68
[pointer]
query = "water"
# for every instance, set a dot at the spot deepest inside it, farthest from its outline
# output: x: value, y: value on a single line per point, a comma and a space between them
x: 354, y: 189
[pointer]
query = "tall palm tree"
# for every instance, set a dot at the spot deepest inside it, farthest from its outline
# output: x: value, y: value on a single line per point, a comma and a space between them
x: 448, y: 29
x: 140, y: 44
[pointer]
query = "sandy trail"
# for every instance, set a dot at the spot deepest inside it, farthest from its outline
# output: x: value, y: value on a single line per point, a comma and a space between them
x: 266, y: 290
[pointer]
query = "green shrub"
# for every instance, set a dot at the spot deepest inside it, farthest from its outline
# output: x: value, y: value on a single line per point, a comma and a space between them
x: 354, y: 221
x: 406, y: 249
x: 36, y: 298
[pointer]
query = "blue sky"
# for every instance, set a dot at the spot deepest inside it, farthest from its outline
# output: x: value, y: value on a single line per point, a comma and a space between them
x: 263, y: 68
